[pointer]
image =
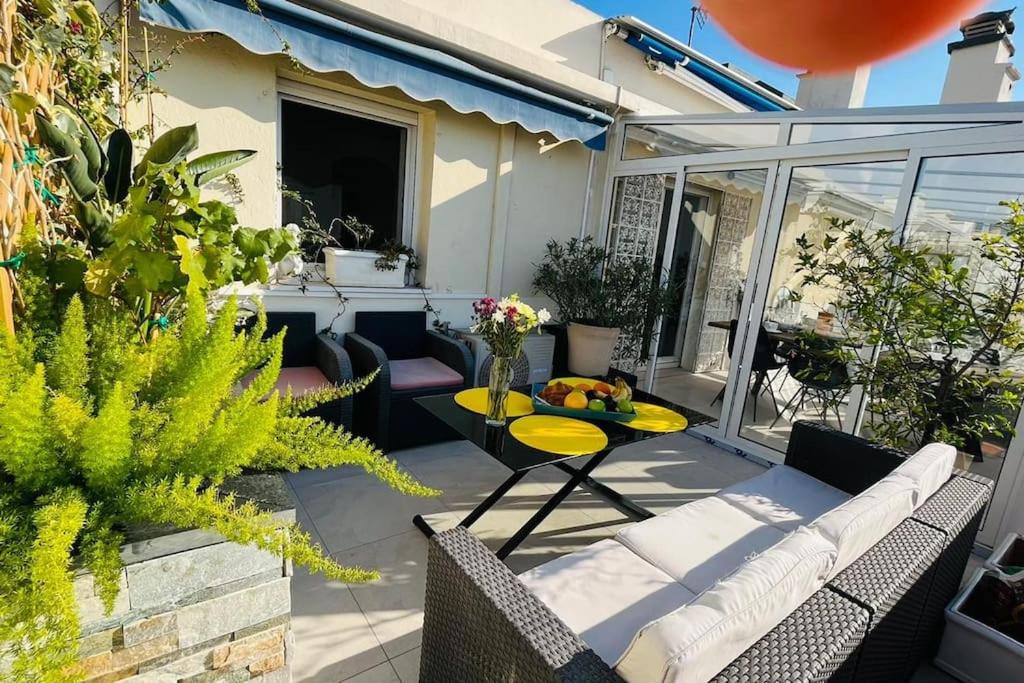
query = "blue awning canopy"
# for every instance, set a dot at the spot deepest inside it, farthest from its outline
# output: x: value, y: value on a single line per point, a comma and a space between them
x: 324, y: 44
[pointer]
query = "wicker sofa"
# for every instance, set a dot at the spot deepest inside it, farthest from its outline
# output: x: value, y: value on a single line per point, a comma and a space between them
x: 900, y: 531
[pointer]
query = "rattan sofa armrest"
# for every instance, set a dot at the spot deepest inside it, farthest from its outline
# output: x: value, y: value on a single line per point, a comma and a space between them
x: 374, y: 412
x: 452, y: 352
x: 334, y: 362
x: 847, y: 462
x: 482, y: 624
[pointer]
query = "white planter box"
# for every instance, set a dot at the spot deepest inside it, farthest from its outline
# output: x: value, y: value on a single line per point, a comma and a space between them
x: 973, y: 652
x: 347, y: 268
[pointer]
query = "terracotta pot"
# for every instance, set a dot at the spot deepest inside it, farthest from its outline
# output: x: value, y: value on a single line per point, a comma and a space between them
x: 591, y: 348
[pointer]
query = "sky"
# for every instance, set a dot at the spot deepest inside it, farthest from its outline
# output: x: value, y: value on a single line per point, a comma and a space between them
x: 915, y: 77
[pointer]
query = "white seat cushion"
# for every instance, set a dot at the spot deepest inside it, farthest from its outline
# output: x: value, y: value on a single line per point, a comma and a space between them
x: 862, y: 521
x: 693, y: 643
x: 784, y: 497
x: 700, y: 542
x: 605, y: 593
x: 929, y: 468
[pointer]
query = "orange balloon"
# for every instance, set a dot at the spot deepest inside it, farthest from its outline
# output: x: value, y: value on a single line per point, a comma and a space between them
x: 831, y: 36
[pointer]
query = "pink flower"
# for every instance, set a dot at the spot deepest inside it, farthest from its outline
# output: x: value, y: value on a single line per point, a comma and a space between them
x: 75, y: 27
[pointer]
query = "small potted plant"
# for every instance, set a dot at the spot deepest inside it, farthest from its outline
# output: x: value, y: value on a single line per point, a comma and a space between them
x: 607, y: 303
x: 363, y: 267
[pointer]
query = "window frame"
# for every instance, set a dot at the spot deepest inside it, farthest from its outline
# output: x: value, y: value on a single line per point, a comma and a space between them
x: 352, y: 105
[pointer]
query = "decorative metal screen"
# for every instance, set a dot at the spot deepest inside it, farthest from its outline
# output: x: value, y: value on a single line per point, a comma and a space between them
x: 636, y: 216
x: 725, y: 280
x: 635, y: 227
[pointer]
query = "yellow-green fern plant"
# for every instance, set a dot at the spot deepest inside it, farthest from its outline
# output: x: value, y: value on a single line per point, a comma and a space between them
x: 110, y: 432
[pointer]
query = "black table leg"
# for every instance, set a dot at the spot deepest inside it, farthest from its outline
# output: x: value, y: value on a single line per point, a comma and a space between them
x: 610, y: 496
x: 553, y: 502
x: 428, y: 531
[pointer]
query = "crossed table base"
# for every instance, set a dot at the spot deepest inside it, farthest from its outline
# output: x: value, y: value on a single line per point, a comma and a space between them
x: 522, y: 459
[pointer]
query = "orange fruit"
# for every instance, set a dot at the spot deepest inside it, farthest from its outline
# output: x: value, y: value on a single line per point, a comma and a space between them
x: 577, y: 400
x: 603, y: 388
x: 584, y: 387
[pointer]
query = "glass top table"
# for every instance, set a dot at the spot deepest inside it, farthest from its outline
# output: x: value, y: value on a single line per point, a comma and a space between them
x: 521, y: 459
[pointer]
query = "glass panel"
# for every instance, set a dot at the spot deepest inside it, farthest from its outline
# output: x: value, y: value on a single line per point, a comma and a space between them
x: 645, y: 141
x: 709, y: 262
x: 957, y: 198
x: 791, y: 377
x: 824, y: 132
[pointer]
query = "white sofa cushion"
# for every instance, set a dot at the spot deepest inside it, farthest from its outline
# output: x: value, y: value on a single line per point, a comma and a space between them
x: 862, y: 521
x: 784, y: 497
x: 929, y: 468
x: 605, y: 593
x: 693, y: 643
x: 700, y: 542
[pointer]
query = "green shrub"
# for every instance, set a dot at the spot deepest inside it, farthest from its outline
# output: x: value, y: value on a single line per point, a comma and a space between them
x: 110, y: 432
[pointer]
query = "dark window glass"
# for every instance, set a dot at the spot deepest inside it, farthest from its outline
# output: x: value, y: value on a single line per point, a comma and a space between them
x: 346, y: 166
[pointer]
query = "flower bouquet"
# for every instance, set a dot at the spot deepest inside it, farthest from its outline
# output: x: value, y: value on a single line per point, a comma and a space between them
x: 504, y: 325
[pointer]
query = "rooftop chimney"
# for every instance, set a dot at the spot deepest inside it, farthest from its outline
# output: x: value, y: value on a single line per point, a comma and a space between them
x: 980, y: 69
x: 833, y: 91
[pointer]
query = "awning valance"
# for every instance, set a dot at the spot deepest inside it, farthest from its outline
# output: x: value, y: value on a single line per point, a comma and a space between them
x: 324, y: 44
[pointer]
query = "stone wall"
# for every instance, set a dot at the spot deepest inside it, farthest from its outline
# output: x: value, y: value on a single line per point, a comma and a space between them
x: 192, y: 608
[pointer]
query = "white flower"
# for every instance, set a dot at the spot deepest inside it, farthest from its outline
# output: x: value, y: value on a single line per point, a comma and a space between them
x: 293, y: 229
x: 543, y: 316
x: 498, y: 316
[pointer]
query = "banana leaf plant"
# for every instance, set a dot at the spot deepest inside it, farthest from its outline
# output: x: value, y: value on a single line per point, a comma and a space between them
x: 144, y: 232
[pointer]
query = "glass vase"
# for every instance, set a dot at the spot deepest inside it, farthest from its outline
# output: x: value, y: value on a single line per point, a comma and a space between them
x: 497, y: 390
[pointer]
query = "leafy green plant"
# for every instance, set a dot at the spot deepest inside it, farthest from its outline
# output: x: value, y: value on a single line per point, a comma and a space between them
x: 145, y: 232
x: 111, y: 432
x: 390, y: 254
x: 361, y: 232
x: 592, y: 287
x: 937, y: 313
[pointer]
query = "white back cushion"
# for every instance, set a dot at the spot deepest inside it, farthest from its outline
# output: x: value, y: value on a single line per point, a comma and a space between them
x: 929, y: 468
x: 784, y: 497
x: 693, y: 643
x: 700, y: 542
x: 862, y: 521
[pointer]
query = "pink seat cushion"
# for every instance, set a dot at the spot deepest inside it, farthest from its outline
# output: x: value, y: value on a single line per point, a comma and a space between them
x: 301, y: 380
x: 421, y: 373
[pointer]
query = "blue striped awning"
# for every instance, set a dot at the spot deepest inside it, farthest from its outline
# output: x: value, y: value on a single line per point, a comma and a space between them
x: 324, y: 44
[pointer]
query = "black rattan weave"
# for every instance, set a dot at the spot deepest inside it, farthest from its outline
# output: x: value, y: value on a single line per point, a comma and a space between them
x: 893, y: 580
x: 956, y: 510
x: 817, y: 642
x: 482, y: 624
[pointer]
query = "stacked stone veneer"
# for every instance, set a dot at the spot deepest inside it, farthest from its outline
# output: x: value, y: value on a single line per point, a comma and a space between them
x: 218, y: 612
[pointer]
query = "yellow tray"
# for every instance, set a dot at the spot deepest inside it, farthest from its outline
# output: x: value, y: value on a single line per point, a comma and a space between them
x: 561, y: 435
x: 475, y: 400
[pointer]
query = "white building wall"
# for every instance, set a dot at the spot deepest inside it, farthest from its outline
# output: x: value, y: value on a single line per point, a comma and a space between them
x: 489, y: 196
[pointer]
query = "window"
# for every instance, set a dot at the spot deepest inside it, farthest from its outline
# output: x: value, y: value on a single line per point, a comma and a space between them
x: 347, y: 163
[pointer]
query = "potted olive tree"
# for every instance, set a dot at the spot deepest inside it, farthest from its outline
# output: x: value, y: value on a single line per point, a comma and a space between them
x: 609, y: 304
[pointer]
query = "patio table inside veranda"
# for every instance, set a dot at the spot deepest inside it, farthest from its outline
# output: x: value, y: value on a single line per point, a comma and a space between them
x: 522, y: 459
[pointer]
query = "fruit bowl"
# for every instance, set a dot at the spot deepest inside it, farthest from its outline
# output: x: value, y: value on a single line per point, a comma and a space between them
x: 608, y: 414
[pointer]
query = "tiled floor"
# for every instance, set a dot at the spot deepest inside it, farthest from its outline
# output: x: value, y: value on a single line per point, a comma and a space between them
x: 370, y: 633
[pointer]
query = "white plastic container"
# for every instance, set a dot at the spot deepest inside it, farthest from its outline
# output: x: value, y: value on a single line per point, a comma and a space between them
x: 973, y: 652
x: 1009, y: 553
x: 591, y: 349
x: 344, y: 267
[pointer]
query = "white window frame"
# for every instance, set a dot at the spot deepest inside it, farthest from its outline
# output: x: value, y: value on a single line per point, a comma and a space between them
x: 367, y: 109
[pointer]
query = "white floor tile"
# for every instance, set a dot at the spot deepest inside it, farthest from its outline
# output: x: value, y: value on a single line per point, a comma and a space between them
x: 407, y: 666
x: 382, y: 673
x: 357, y: 510
x: 393, y: 606
x: 333, y: 640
